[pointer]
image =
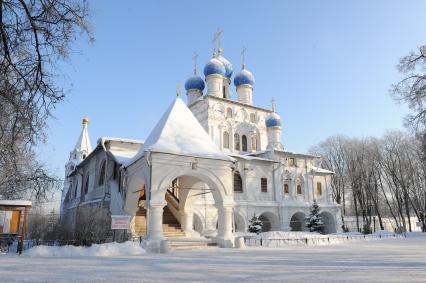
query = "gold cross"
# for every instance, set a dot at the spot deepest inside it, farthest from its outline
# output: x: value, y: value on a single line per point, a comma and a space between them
x: 194, y: 60
x: 243, y: 56
x: 178, y: 89
x: 216, y: 39
x: 274, y: 107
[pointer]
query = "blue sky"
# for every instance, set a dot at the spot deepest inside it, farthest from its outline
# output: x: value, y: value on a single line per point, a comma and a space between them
x: 329, y: 64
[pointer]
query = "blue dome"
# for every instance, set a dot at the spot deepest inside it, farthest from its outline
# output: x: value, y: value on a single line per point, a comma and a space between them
x: 228, y: 66
x: 214, y: 66
x: 194, y: 82
x: 273, y: 120
x: 245, y: 77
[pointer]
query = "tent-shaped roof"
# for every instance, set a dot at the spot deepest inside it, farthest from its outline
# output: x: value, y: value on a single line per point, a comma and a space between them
x: 179, y: 132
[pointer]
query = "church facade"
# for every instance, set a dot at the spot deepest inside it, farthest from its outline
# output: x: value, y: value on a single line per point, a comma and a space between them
x: 207, y: 167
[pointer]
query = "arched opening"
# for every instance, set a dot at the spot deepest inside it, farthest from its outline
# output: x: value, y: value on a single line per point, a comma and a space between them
x: 197, y: 192
x: 239, y: 223
x: 238, y: 183
x: 237, y: 142
x: 86, y: 185
x: 244, y: 143
x: 267, y: 226
x: 297, y: 222
x: 229, y: 113
x: 141, y: 215
x: 270, y: 221
x: 226, y: 140
x: 254, y: 143
x: 101, y: 179
x: 329, y: 223
x: 198, y: 224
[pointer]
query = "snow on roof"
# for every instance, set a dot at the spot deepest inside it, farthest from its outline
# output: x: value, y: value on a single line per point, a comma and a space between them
x: 179, y: 132
x: 15, y: 203
x: 106, y: 139
x: 250, y: 157
x: 123, y: 156
x: 321, y: 170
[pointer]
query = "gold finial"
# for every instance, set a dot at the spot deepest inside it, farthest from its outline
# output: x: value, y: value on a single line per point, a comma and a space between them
x: 274, y: 107
x: 86, y: 121
x: 219, y: 51
x: 243, y: 56
x: 178, y: 90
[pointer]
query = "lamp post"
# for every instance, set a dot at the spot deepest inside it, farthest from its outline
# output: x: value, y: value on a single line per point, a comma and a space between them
x: 374, y: 224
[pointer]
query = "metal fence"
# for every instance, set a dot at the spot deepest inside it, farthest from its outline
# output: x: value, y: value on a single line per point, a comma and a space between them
x: 326, y: 240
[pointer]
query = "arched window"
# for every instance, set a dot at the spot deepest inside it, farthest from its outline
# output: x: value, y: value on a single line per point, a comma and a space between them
x: 299, y: 189
x: 264, y: 185
x: 286, y: 189
x: 102, y: 174
x: 253, y: 118
x: 238, y: 183
x: 229, y: 113
x: 75, y: 189
x: 86, y: 185
x: 254, y: 142
x: 225, y: 140
x: 319, y: 189
x: 237, y: 142
x: 244, y: 142
x: 224, y: 92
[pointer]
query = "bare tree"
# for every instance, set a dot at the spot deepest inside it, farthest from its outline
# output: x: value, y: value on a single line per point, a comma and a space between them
x: 34, y: 36
x: 412, y: 89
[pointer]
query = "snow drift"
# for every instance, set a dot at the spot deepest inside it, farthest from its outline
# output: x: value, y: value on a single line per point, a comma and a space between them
x: 103, y: 250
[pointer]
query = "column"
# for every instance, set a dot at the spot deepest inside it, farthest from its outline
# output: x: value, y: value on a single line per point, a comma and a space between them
x: 155, y: 222
x: 187, y: 223
x: 225, y: 235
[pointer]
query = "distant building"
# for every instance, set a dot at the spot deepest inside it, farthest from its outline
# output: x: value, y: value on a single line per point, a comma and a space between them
x: 206, y: 168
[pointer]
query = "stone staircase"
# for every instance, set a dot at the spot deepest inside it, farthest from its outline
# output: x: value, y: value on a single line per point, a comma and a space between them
x: 171, y: 227
x: 192, y: 244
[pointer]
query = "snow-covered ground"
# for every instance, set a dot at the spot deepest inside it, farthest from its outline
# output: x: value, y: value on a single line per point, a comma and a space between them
x: 385, y: 260
x: 110, y: 249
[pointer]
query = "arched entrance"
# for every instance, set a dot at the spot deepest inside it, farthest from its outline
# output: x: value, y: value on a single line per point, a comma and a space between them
x: 198, y: 224
x: 193, y: 186
x: 297, y: 222
x: 239, y: 222
x: 329, y: 223
x: 269, y: 221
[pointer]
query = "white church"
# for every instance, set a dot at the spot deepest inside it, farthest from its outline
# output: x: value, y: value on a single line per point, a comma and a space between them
x: 207, y: 167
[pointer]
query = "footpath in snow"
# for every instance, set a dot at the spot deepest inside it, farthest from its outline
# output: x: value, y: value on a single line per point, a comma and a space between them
x: 389, y: 260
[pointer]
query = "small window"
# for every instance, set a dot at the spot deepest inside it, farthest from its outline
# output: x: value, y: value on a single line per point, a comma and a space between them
x: 264, y: 185
x: 319, y: 189
x: 253, y: 118
x: 237, y: 142
x: 254, y: 143
x: 299, y: 189
x: 224, y: 91
x: 225, y: 140
x: 238, y: 183
x: 229, y: 113
x: 286, y: 189
x: 291, y: 161
x: 114, y: 176
x: 75, y: 189
x: 86, y: 185
x: 244, y: 142
x: 102, y: 174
